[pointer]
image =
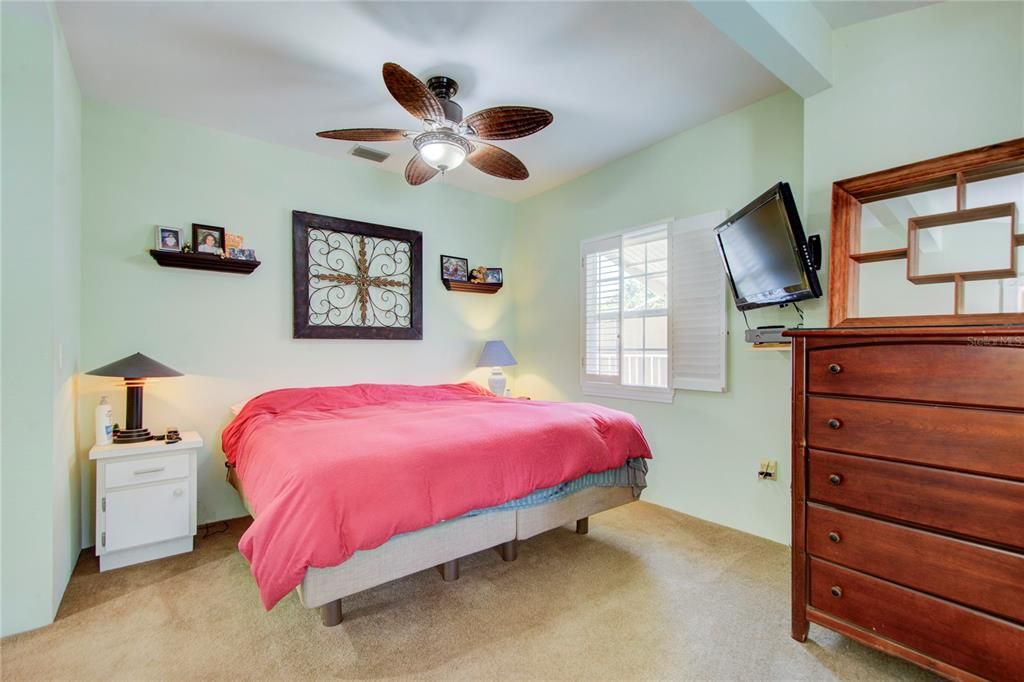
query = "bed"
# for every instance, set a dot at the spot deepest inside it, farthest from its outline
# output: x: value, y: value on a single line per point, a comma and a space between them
x: 354, y: 486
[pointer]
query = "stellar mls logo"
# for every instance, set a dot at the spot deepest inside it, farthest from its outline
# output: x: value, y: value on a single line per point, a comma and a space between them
x: 1017, y: 341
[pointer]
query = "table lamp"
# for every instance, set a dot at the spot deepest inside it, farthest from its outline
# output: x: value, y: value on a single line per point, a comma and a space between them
x: 496, y: 355
x: 134, y: 369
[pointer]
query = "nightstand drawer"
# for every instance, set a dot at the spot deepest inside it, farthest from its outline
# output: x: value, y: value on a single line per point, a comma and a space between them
x: 147, y: 470
x: 141, y: 516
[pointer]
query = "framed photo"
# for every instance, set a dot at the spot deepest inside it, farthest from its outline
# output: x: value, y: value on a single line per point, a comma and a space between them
x: 241, y: 254
x: 207, y: 239
x: 168, y: 238
x: 454, y: 268
x: 355, y: 280
x: 493, y: 276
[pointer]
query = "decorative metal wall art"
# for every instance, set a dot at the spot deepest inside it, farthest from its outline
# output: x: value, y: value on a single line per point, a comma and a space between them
x: 355, y: 280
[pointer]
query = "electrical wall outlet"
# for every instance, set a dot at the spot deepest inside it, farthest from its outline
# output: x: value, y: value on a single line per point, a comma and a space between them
x: 768, y: 470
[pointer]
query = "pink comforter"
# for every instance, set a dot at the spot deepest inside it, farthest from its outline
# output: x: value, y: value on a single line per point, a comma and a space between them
x: 329, y: 471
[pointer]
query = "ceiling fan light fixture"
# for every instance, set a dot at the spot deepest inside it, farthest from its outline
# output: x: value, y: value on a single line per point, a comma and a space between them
x: 442, y: 149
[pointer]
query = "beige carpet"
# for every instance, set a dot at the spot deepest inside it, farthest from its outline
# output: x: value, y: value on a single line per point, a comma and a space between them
x: 650, y: 593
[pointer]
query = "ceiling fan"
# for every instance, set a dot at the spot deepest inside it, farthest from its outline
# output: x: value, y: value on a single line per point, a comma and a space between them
x: 448, y: 139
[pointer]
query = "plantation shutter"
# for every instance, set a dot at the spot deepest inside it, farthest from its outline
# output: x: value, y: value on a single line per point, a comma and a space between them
x: 602, y: 308
x: 698, y: 301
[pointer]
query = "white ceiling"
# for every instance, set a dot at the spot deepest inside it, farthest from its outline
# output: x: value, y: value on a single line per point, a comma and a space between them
x: 618, y: 76
x: 840, y: 13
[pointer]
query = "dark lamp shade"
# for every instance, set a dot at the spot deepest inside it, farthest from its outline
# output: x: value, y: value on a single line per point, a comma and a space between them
x: 136, y: 366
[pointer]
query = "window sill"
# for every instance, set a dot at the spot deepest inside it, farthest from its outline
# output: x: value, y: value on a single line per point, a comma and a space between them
x: 654, y: 395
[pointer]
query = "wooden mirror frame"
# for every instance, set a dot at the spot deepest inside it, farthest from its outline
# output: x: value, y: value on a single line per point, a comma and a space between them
x: 848, y: 197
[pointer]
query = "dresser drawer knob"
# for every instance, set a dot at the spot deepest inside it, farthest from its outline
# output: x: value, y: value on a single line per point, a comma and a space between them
x: 836, y: 591
x: 834, y: 368
x: 833, y: 536
x: 834, y: 423
x: 835, y: 479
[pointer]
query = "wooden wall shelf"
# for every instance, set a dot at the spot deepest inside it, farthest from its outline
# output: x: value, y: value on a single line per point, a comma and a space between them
x: 470, y: 287
x: 879, y: 256
x: 771, y: 346
x: 203, y: 261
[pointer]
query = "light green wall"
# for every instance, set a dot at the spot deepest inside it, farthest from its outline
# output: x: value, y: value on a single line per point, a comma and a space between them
x: 919, y: 84
x: 41, y: 178
x: 230, y: 334
x: 706, y: 445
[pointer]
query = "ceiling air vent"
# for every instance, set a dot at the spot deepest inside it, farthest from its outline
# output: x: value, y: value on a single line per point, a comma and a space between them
x: 374, y: 155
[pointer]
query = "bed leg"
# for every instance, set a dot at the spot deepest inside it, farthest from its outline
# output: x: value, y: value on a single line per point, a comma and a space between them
x: 330, y: 613
x: 509, y: 550
x: 583, y: 526
x: 449, y: 570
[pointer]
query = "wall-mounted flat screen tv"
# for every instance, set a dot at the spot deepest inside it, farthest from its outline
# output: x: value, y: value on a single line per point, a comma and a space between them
x: 765, y: 253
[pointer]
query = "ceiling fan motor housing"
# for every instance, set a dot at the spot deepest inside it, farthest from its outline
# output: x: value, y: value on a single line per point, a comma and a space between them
x: 444, y: 88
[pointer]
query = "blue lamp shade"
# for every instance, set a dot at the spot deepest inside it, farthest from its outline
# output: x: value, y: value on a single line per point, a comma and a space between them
x: 496, y: 354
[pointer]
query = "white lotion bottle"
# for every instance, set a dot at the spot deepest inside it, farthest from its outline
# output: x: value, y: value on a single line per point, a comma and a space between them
x: 104, y: 423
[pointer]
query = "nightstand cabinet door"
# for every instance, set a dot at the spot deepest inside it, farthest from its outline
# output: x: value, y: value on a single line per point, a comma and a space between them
x: 154, y: 513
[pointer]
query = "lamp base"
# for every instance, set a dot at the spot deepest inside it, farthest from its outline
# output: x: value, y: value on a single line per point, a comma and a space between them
x: 132, y: 436
x: 497, y: 381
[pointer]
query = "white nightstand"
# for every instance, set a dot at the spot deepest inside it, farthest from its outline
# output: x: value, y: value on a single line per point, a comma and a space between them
x: 145, y: 500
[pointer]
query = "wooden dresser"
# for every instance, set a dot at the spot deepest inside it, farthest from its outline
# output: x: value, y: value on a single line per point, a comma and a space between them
x: 908, y: 493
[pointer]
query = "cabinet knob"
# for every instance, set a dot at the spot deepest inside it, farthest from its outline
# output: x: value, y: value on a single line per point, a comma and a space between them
x: 834, y: 423
x: 836, y: 591
x: 833, y: 536
x: 178, y: 492
x: 834, y: 368
x: 835, y: 479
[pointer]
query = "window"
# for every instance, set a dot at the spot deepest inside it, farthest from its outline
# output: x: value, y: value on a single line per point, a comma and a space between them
x: 653, y: 311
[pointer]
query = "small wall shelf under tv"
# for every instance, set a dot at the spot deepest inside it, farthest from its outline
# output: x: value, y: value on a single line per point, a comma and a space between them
x: 203, y: 261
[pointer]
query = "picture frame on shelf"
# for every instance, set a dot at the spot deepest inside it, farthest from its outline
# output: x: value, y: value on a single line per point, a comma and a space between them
x: 454, y: 268
x: 168, y: 238
x: 241, y: 254
x: 207, y: 239
x: 493, y: 276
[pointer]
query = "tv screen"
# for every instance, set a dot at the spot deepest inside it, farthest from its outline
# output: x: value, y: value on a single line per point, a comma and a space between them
x: 765, y: 252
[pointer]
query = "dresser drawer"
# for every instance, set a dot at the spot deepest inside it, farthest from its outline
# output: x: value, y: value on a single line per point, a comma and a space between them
x: 955, y: 373
x: 986, y: 646
x: 146, y: 470
x: 974, y: 575
x: 975, y: 506
x: 982, y: 441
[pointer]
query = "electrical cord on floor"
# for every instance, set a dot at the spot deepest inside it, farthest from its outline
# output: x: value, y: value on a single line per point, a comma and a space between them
x: 208, y: 533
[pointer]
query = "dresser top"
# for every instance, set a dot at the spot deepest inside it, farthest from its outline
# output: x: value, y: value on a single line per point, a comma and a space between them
x: 986, y: 330
x: 190, y: 440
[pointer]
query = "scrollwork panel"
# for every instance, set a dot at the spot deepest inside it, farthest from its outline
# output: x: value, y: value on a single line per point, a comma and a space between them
x: 355, y: 279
